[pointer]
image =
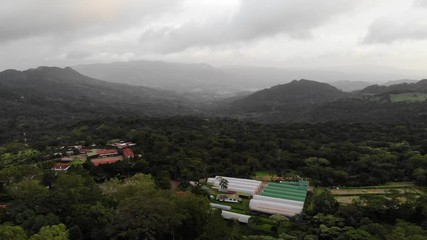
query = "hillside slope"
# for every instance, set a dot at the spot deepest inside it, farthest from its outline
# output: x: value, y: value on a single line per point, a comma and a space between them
x: 282, y: 103
x: 419, y: 86
x: 49, y: 95
x: 310, y: 101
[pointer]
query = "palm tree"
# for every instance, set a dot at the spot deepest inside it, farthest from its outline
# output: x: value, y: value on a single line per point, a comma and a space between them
x: 223, y: 184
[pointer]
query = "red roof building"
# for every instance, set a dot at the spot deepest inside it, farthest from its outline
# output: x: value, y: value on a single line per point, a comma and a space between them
x: 106, y: 160
x: 61, y: 167
x: 107, y: 152
x: 85, y: 150
x: 128, y: 153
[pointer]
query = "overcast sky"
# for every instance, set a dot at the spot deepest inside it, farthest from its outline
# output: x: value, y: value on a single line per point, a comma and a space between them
x: 279, y: 33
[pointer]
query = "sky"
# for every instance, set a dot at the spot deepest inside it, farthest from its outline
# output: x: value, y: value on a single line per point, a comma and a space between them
x: 303, y: 34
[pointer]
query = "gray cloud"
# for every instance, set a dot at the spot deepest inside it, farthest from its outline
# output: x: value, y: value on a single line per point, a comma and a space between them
x: 77, y: 54
x: 255, y: 19
x: 73, y: 18
x: 388, y: 30
x: 301, y: 33
x: 420, y: 3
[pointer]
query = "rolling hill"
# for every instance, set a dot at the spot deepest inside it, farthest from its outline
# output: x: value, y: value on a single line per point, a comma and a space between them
x: 310, y: 101
x: 283, y: 103
x: 48, y: 95
x: 419, y: 86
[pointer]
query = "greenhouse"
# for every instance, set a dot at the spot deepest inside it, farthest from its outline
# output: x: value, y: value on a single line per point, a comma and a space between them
x: 285, y: 198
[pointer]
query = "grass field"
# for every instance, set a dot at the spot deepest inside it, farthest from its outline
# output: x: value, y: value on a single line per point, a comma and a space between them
x: 347, y: 195
x: 388, y: 185
x: 241, y: 207
x: 262, y: 174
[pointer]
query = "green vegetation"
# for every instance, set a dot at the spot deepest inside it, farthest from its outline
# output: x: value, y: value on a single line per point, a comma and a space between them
x: 262, y: 174
x: 408, y: 97
x: 347, y: 195
x: 131, y: 199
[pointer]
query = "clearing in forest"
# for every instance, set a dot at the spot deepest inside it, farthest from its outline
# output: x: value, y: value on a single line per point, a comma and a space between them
x: 348, y: 194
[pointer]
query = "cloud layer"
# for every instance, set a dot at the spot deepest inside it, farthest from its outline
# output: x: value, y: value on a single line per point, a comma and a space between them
x: 278, y: 33
x: 253, y: 20
x: 33, y: 18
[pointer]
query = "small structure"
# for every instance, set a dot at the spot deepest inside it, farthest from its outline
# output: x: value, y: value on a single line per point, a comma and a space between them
x: 106, y: 152
x: 85, y: 150
x: 235, y: 216
x: 128, y: 153
x: 220, y: 206
x: 61, y: 167
x: 242, y: 187
x: 122, y: 144
x: 67, y: 159
x: 92, y: 154
x: 231, y: 198
x: 69, y: 152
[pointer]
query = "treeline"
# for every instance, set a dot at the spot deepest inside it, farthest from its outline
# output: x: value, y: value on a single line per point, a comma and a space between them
x: 187, y: 148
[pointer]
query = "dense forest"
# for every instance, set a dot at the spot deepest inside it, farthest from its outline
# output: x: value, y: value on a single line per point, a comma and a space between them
x: 132, y: 199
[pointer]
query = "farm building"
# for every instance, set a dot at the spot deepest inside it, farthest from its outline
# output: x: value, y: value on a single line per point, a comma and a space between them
x: 61, y: 167
x: 285, y: 198
x: 122, y: 144
x: 220, y: 206
x: 107, y: 152
x: 235, y: 216
x: 232, y: 198
x: 85, y: 150
x: 106, y: 160
x: 92, y: 154
x: 128, y: 153
x: 242, y: 187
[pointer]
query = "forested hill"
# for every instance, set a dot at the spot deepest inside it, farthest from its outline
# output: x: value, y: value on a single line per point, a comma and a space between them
x: 286, y: 102
x: 310, y: 101
x: 420, y: 86
x: 47, y: 95
x: 295, y: 93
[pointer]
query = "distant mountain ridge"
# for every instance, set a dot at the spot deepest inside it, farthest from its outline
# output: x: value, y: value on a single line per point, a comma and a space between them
x: 310, y: 101
x: 51, y: 94
x: 224, y: 81
x: 419, y: 86
x: 200, y: 78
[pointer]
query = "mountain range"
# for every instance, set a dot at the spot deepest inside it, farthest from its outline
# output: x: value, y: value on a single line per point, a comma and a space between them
x: 311, y: 101
x: 214, y: 82
x: 47, y: 95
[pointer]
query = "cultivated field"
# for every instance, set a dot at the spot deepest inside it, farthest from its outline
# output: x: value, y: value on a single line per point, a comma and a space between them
x: 347, y: 195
